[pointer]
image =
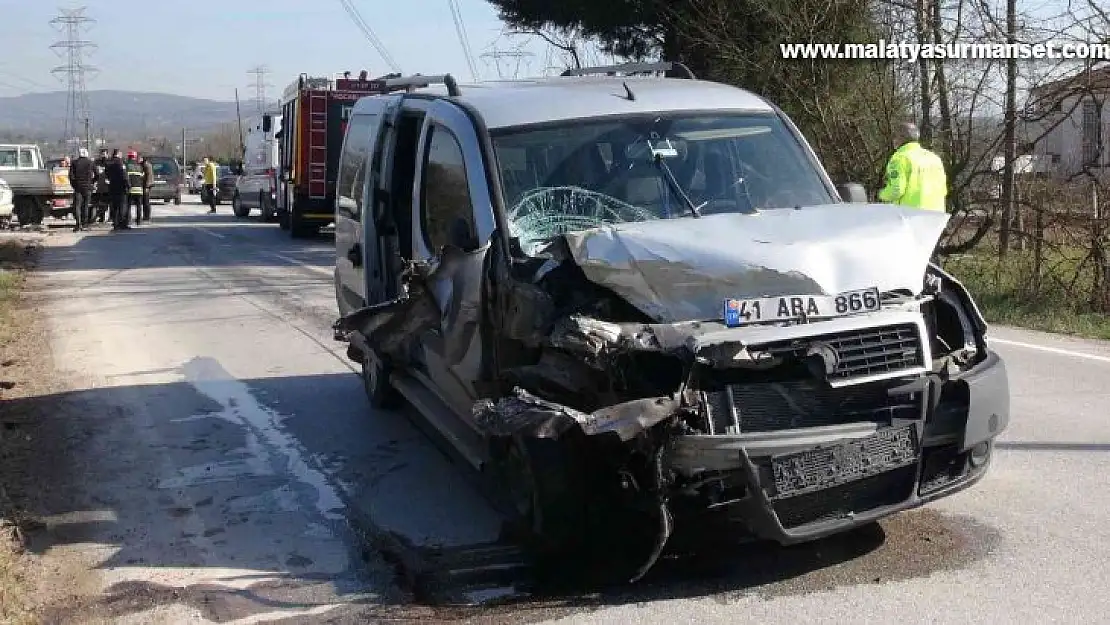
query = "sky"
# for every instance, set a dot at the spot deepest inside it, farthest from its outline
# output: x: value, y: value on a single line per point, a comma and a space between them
x: 205, y: 48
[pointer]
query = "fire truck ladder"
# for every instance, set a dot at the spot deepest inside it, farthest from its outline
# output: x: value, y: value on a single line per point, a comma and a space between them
x: 317, y: 145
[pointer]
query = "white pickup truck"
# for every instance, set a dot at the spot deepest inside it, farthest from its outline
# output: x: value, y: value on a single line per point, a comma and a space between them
x: 34, y: 185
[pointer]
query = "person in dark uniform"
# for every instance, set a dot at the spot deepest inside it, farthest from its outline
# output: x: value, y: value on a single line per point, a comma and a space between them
x: 115, y: 172
x: 82, y: 176
x: 101, y: 199
x: 148, y: 182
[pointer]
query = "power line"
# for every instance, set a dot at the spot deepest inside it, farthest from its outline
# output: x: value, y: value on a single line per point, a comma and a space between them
x: 260, y: 86
x: 517, y: 55
x: 460, y: 29
x: 33, y: 84
x: 72, y: 22
x: 368, y: 32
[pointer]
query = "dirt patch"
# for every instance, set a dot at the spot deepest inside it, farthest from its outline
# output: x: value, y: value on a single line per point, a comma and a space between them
x: 33, y: 443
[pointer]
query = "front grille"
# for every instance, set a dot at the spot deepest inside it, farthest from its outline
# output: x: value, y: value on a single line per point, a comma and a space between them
x: 861, y: 353
x: 856, y: 497
x: 806, y: 403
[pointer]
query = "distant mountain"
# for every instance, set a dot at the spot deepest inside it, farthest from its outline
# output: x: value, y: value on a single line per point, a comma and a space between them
x: 126, y: 113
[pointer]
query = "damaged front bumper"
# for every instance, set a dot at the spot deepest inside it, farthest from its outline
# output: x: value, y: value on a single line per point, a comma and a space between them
x: 796, y: 485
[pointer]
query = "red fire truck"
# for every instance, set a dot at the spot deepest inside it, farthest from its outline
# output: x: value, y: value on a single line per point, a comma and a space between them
x: 314, y: 120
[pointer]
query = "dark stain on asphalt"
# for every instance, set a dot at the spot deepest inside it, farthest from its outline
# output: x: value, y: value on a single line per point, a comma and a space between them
x: 910, y: 545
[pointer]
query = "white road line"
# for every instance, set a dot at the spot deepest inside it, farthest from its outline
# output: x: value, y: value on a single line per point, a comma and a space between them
x: 319, y: 270
x: 212, y: 234
x: 1051, y: 350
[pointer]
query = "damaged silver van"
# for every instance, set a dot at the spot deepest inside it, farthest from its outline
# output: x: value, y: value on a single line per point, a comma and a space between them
x: 640, y: 302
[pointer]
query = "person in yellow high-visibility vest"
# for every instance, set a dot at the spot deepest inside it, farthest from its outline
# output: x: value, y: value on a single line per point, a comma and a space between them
x: 914, y: 175
x: 211, y: 179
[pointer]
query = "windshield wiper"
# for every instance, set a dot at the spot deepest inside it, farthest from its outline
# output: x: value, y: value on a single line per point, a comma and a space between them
x: 674, y: 184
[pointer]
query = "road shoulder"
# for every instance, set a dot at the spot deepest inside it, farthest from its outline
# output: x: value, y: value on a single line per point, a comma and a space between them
x: 36, y: 445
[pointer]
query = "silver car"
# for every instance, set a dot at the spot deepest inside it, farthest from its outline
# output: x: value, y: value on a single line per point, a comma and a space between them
x: 642, y: 306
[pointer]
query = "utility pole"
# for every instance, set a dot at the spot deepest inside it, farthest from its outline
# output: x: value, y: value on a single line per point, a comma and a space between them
x: 1010, y: 133
x: 184, y: 149
x: 260, y: 86
x: 72, y: 23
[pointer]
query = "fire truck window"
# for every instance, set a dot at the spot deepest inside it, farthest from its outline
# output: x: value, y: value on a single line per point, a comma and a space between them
x: 352, y: 165
x: 444, y: 192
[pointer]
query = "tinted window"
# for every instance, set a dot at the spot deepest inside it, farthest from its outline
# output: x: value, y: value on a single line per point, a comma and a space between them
x: 353, y: 163
x: 444, y: 192
x: 8, y: 157
x: 26, y: 158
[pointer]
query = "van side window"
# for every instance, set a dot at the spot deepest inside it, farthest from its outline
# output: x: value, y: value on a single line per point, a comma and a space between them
x: 444, y: 192
x: 353, y: 164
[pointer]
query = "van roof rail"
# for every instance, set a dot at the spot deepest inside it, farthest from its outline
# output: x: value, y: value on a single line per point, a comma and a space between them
x: 631, y: 68
x: 417, y: 81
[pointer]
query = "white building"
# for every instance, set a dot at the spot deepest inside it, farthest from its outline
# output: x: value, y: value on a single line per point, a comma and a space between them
x: 1073, y: 114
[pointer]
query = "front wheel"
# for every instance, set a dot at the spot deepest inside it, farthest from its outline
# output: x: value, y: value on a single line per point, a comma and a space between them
x: 375, y: 381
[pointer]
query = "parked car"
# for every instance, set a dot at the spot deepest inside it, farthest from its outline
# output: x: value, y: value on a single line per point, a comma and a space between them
x: 7, y: 203
x: 643, y: 306
x: 226, y: 179
x: 167, y: 179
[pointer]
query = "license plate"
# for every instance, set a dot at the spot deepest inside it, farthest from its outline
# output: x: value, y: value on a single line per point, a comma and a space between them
x: 738, y: 312
x: 817, y: 469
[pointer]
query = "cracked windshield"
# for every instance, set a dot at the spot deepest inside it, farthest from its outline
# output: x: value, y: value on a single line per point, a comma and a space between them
x: 580, y: 312
x: 574, y: 177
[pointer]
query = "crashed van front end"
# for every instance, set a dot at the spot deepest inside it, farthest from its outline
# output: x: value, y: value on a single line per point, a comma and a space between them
x: 807, y: 416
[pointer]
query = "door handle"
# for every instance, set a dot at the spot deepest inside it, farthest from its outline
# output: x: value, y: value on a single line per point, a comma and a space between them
x: 355, y: 255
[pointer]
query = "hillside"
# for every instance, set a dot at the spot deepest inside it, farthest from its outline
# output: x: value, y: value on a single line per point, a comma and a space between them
x: 127, y: 113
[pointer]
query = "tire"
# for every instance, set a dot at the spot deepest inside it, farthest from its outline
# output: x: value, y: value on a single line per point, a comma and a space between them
x: 546, y: 488
x: 238, y: 208
x: 265, y: 207
x: 284, y: 212
x: 29, y: 211
x: 375, y: 381
x: 299, y: 230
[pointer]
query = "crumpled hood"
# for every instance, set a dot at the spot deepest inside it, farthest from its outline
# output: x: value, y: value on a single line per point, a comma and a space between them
x: 683, y: 269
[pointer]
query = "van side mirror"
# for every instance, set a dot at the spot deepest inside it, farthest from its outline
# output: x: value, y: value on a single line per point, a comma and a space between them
x: 852, y: 192
x: 462, y: 235
x: 267, y: 123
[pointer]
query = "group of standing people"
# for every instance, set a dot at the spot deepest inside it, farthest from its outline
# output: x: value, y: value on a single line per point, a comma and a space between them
x: 110, y: 185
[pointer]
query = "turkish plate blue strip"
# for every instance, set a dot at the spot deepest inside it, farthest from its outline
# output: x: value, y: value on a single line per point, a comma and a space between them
x: 740, y: 312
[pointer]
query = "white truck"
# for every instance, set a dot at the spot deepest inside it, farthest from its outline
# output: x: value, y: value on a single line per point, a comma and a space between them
x: 35, y: 186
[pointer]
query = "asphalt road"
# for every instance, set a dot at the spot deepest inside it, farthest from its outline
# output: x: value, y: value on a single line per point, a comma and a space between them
x: 240, y: 475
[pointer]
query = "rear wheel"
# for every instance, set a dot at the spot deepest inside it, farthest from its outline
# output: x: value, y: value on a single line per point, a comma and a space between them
x: 29, y: 211
x: 300, y: 230
x: 238, y: 208
x: 265, y: 206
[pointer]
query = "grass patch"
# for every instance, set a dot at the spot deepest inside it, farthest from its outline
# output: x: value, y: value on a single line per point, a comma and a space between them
x: 1007, y: 292
x: 14, y: 587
